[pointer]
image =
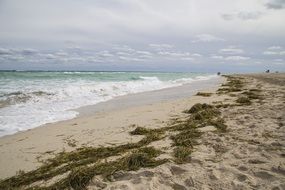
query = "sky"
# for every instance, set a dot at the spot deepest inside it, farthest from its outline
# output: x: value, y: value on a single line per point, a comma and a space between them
x: 143, y: 35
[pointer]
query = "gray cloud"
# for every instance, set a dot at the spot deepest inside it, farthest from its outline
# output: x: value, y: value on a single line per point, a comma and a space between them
x: 242, y: 15
x: 249, y: 15
x: 120, y: 53
x: 275, y: 4
x: 140, y: 34
x: 5, y: 51
x: 28, y: 51
x: 228, y: 16
x: 13, y: 51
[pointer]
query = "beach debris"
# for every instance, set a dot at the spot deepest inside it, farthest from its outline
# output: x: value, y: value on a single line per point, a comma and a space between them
x: 205, y: 94
x: 77, y: 168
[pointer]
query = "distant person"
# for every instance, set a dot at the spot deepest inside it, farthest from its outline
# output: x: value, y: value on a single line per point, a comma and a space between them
x: 267, y: 71
x: 219, y: 73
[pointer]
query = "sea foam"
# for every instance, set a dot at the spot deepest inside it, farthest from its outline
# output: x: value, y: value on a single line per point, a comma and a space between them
x: 29, y: 103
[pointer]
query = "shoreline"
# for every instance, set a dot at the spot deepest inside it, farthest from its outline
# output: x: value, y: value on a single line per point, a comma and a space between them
x: 114, y: 116
x: 93, y: 105
x: 151, y: 97
x: 232, y: 138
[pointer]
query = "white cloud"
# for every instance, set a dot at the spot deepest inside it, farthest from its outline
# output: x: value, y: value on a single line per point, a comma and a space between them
x: 270, y: 53
x: 61, y: 54
x: 50, y: 56
x: 217, y: 57
x: 160, y: 47
x: 196, y: 55
x: 231, y: 50
x: 130, y: 58
x: 274, y: 50
x: 185, y: 56
x: 105, y: 54
x: 174, y: 54
x: 230, y: 58
x: 207, y: 38
x: 236, y: 58
x: 144, y: 52
x: 122, y: 53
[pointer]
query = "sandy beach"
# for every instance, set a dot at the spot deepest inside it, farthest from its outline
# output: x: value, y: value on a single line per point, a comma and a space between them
x: 240, y: 147
x: 103, y: 124
x: 142, y: 95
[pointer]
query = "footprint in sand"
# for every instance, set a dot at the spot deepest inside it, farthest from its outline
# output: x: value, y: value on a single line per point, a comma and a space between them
x: 264, y: 175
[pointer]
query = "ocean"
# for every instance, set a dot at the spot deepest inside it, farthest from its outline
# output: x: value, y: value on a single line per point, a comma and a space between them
x: 29, y: 99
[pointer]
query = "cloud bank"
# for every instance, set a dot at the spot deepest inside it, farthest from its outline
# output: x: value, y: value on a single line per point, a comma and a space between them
x: 187, y: 35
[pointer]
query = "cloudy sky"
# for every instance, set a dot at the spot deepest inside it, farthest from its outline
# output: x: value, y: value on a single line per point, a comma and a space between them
x: 159, y: 35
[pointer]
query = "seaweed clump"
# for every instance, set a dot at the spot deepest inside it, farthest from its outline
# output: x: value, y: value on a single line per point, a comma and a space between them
x: 81, y: 165
x: 243, y: 100
x: 204, y: 94
x: 181, y: 153
x: 75, y: 169
x: 205, y: 114
x: 200, y: 115
x: 234, y: 84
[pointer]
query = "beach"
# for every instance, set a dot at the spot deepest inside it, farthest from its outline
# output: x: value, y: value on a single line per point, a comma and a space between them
x: 240, y: 147
x: 142, y: 95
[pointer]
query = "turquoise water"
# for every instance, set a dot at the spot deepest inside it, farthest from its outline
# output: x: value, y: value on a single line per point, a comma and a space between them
x: 94, y: 76
x: 30, y: 99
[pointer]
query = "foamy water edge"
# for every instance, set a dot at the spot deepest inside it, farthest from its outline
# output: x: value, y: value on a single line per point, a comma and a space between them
x: 44, y: 108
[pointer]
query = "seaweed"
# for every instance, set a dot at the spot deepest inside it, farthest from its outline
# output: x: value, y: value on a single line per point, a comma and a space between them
x: 204, y: 94
x: 234, y: 84
x: 243, y: 100
x: 186, y: 138
x: 252, y: 94
x: 75, y: 169
x: 181, y: 154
